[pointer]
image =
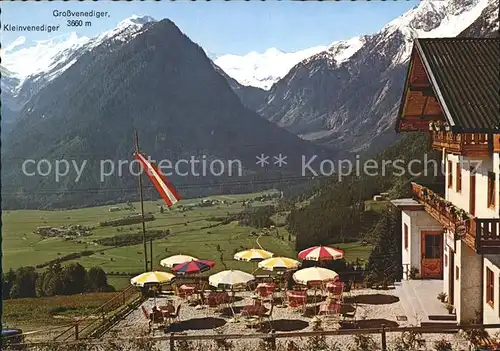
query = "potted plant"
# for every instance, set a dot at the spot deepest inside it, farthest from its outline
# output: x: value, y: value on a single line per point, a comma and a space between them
x: 414, y: 273
x: 442, y: 296
x: 450, y: 308
x: 442, y: 345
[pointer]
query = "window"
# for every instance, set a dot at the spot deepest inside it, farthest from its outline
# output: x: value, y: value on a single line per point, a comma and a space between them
x: 491, y: 189
x: 457, y: 273
x: 459, y: 178
x: 490, y: 287
x: 446, y: 260
x: 450, y: 174
x: 406, y: 236
x: 433, y: 247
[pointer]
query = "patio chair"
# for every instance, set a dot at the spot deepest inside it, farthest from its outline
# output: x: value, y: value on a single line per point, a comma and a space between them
x: 337, y: 291
x: 350, y: 317
x: 148, y: 317
x: 155, y: 319
x: 175, y: 316
x: 268, y: 316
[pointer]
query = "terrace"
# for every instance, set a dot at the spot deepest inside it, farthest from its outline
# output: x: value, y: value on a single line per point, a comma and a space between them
x: 481, y: 234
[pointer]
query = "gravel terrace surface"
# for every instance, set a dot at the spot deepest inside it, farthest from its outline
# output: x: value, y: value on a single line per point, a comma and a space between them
x: 374, y: 308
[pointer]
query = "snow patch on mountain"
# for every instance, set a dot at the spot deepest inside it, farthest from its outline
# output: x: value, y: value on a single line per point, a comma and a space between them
x: 262, y: 70
x: 53, y: 56
x: 18, y: 42
x: 41, y: 57
x: 339, y: 51
x: 343, y: 50
x: 434, y: 19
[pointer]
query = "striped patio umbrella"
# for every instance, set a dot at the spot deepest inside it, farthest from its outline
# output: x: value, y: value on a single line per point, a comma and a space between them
x: 253, y: 255
x: 172, y: 261
x: 314, y: 274
x: 279, y: 264
x: 193, y: 267
x: 152, y: 278
x: 321, y: 253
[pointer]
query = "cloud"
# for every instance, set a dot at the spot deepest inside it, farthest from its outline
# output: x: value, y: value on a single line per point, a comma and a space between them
x: 19, y: 41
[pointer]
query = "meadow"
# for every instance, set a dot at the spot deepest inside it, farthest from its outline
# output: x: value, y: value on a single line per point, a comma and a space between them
x: 189, y: 235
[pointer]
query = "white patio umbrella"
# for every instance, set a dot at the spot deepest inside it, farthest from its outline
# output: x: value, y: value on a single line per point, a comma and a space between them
x: 314, y: 274
x: 230, y: 278
x: 172, y: 261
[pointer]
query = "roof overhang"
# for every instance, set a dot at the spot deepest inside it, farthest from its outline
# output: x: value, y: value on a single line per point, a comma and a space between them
x: 420, y: 103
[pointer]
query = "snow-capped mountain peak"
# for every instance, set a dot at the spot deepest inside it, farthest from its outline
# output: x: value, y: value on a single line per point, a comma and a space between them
x: 126, y: 29
x: 136, y: 20
x: 433, y: 19
x: 430, y: 18
x: 262, y: 70
x: 44, y: 55
x: 47, y: 56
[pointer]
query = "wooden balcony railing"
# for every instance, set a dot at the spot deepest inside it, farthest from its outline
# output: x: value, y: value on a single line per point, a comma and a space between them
x: 487, y: 235
x: 496, y: 143
x: 466, y: 144
x: 481, y: 234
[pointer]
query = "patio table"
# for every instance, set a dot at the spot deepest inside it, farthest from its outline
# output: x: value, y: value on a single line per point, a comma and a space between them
x: 266, y: 286
x: 333, y: 286
x: 186, y: 290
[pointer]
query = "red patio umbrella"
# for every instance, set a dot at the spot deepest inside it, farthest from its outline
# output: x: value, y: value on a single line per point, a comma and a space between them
x: 193, y: 267
x: 321, y: 253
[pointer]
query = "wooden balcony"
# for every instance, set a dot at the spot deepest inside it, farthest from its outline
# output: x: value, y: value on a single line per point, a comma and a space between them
x: 481, y: 234
x: 465, y: 144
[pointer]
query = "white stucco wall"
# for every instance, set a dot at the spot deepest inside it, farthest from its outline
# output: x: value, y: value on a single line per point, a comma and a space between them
x: 446, y: 268
x: 417, y: 222
x: 491, y: 315
x: 461, y: 199
x: 468, y: 296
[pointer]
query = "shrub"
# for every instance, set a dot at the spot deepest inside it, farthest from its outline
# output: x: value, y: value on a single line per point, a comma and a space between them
x: 442, y: 345
x: 409, y: 341
x: 363, y: 342
x: 414, y: 273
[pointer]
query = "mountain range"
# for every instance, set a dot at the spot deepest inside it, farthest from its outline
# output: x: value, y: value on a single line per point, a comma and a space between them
x: 154, y: 79
x: 351, y: 104
x: 343, y: 97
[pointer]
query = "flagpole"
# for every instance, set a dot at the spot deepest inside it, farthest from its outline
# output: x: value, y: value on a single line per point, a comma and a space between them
x: 151, y: 252
x: 142, y: 207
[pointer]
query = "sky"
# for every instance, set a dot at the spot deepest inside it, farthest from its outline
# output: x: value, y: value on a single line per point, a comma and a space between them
x: 234, y: 27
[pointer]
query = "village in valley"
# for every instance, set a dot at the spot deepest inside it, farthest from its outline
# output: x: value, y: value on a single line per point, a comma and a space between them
x: 268, y: 260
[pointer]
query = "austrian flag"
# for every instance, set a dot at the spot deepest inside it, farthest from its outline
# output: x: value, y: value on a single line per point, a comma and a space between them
x: 164, y: 187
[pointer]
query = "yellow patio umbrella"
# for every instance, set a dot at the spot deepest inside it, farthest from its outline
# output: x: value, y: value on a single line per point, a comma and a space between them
x: 314, y: 274
x: 152, y: 278
x: 279, y: 264
x: 253, y: 255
